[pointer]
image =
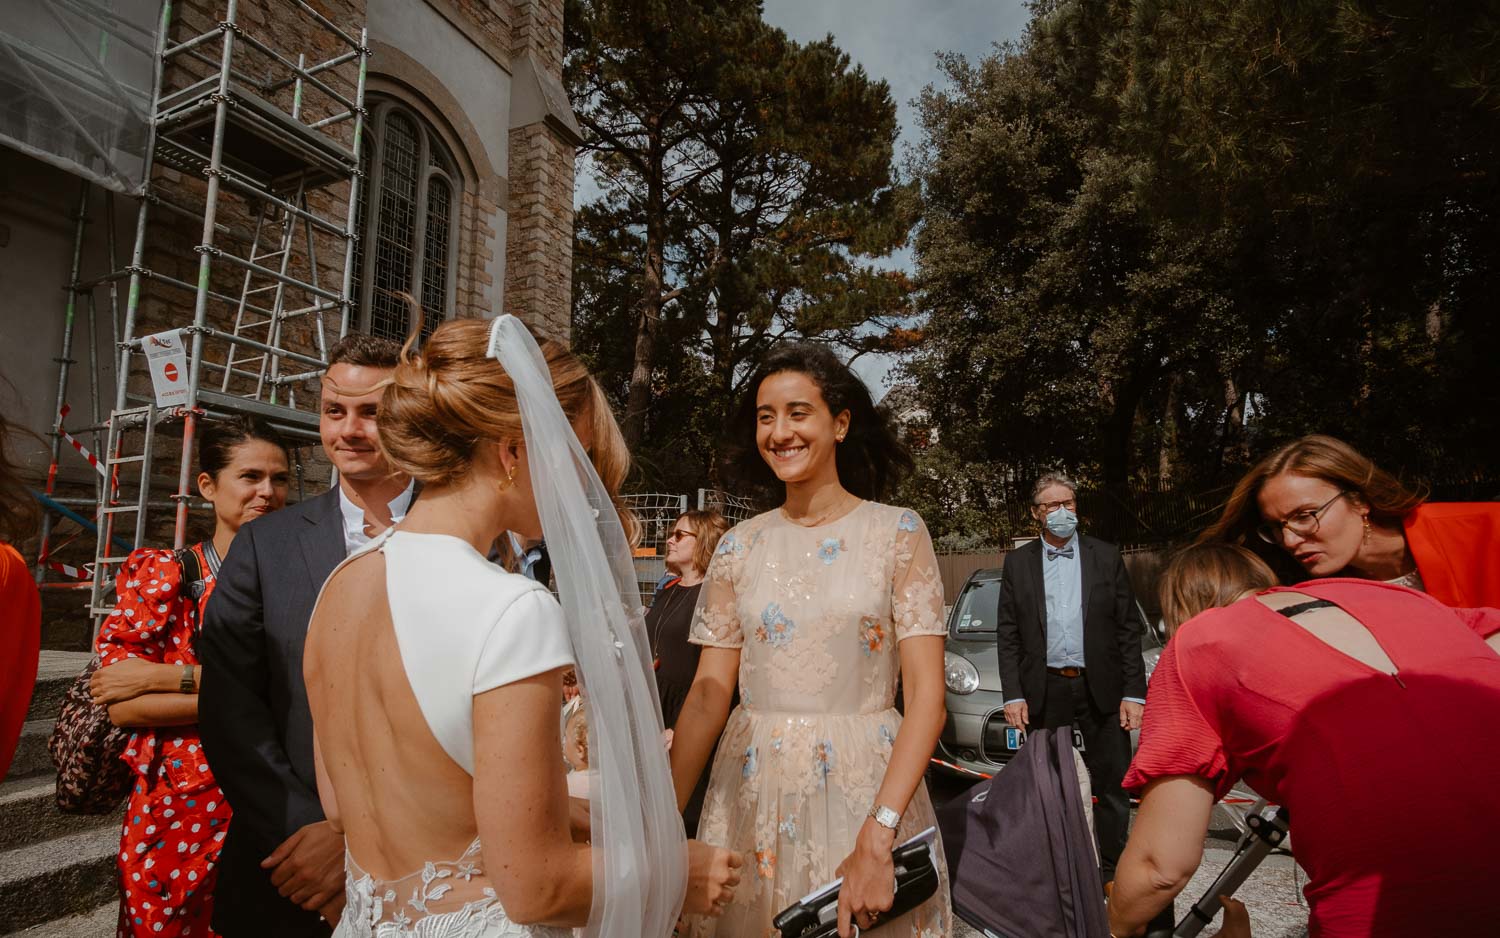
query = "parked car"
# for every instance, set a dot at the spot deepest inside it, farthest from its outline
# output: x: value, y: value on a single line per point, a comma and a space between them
x: 975, y: 738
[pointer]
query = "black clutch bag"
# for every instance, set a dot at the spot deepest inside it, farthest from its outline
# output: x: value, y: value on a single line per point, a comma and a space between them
x: 817, y: 915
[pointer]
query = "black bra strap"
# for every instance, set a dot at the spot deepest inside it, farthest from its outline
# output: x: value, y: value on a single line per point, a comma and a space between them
x: 1292, y: 612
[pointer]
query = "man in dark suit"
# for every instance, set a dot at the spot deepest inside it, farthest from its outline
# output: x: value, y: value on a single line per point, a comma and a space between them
x: 281, y: 871
x: 1069, y: 640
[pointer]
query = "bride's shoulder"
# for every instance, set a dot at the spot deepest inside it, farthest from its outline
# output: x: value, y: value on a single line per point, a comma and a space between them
x: 450, y: 568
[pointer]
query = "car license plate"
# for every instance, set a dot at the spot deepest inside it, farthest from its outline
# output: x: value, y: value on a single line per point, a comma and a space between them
x: 1014, y: 738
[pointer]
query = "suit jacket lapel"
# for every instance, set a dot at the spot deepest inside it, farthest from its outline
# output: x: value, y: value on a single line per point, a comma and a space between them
x: 323, y: 537
x: 1088, y: 576
x: 1039, y: 579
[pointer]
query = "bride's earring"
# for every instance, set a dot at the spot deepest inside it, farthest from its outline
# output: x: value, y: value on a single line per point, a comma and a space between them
x: 510, y: 480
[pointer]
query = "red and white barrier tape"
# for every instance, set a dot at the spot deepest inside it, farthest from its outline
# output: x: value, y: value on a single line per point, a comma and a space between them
x: 86, y: 572
x: 82, y: 450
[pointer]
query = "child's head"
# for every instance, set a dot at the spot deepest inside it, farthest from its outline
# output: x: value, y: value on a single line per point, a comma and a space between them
x: 576, y: 735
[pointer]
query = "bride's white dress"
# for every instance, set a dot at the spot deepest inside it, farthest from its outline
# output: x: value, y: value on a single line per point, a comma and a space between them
x: 464, y: 626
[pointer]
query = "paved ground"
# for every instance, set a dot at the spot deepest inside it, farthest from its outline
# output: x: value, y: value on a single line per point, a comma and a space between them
x: 1273, y: 893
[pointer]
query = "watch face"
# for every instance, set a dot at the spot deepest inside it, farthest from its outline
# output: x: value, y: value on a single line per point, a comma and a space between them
x: 887, y: 817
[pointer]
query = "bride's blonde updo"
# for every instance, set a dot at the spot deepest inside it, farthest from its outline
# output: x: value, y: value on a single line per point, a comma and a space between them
x: 449, y: 396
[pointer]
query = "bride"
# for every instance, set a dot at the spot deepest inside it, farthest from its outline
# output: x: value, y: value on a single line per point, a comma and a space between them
x: 434, y: 677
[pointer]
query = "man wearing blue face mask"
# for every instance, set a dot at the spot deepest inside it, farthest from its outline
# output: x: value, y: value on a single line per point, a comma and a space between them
x: 1069, y: 640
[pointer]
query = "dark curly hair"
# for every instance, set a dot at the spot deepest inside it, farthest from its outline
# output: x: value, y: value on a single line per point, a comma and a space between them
x: 871, y: 460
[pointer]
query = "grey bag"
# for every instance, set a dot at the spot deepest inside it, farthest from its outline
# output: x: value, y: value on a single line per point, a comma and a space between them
x: 1020, y: 854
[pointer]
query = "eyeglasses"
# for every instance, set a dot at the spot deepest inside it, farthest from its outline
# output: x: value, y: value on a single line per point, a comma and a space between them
x: 1303, y: 523
x: 679, y: 535
x: 1049, y: 507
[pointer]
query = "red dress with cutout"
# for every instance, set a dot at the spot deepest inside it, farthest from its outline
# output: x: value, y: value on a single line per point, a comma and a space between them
x: 176, y: 816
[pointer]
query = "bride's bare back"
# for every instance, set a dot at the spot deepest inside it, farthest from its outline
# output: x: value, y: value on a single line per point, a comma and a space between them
x: 437, y: 744
x: 399, y: 798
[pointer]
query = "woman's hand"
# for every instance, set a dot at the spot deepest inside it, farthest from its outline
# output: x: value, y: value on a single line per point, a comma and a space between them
x: 1236, y: 919
x: 869, y: 878
x: 128, y: 679
x: 713, y: 874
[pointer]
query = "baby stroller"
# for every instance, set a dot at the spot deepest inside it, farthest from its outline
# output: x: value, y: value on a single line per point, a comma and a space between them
x: 1020, y: 851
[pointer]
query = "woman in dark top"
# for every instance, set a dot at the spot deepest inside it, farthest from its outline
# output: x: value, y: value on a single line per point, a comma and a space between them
x: 695, y: 535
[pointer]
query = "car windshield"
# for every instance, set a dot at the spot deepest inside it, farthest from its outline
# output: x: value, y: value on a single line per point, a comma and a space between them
x: 978, y: 607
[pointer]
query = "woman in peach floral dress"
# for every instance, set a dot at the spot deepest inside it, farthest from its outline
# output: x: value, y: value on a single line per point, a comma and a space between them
x: 813, y: 610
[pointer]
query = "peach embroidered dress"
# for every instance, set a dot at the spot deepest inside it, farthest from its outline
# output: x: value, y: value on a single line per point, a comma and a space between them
x: 817, y: 613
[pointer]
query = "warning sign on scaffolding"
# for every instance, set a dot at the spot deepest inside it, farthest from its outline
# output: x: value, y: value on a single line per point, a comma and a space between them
x: 169, y: 368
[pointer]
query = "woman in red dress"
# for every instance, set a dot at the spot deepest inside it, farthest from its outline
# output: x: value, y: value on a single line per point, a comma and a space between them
x: 176, y: 816
x: 20, y: 605
x: 1365, y: 709
x: 1321, y: 503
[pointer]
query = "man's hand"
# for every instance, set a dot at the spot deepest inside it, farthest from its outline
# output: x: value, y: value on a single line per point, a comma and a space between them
x: 1130, y: 715
x: 1017, y: 714
x: 308, y: 867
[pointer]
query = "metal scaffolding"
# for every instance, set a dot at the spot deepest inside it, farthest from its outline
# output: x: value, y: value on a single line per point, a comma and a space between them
x: 273, y: 139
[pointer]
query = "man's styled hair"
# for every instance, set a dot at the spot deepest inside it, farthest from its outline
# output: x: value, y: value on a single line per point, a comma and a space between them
x: 1050, y: 478
x: 369, y: 351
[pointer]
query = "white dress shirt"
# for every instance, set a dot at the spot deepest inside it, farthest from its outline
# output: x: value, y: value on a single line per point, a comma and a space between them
x: 354, y: 517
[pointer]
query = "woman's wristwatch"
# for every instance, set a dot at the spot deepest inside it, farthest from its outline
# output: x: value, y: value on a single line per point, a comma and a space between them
x: 886, y: 817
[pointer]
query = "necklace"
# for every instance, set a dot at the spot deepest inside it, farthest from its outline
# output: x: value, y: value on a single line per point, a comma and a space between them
x: 836, y: 511
x: 668, y: 602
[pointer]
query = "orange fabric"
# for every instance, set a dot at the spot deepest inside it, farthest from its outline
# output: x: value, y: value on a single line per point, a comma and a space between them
x: 1457, y: 549
x: 20, y: 648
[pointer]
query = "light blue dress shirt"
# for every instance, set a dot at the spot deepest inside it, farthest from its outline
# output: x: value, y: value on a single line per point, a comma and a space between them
x: 1062, y: 579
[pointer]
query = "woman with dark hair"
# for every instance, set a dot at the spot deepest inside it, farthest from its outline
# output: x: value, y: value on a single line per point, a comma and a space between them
x: 148, y: 677
x: 690, y: 547
x: 813, y: 611
x: 1320, y: 502
x: 1305, y: 692
x: 20, y: 605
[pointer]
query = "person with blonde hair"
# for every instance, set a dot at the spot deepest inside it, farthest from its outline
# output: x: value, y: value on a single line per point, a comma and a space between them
x: 1322, y: 503
x: 690, y: 546
x: 435, y: 677
x: 1343, y: 701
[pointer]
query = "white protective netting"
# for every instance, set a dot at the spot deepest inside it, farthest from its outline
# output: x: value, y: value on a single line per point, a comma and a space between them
x: 76, y: 85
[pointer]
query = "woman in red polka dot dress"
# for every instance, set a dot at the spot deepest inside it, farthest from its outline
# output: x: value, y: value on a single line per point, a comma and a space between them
x: 148, y: 677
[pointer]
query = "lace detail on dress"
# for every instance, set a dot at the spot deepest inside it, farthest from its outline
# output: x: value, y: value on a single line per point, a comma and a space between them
x: 445, y: 899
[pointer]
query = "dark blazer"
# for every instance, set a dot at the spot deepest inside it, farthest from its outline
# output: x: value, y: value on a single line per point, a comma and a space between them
x: 1111, y: 627
x: 252, y: 705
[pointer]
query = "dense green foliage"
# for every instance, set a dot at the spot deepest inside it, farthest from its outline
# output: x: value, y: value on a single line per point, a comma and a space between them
x: 746, y: 194
x: 1161, y: 236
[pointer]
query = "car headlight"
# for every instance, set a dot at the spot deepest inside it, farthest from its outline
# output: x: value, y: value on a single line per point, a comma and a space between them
x: 959, y: 674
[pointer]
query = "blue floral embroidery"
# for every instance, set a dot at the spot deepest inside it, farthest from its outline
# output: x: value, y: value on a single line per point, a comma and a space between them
x: 871, y: 635
x: 886, y: 736
x: 908, y: 521
x: 775, y: 628
x: 828, y: 551
x: 750, y: 764
x: 788, y: 827
x: 825, y: 760
x: 776, y: 738
x: 729, y: 544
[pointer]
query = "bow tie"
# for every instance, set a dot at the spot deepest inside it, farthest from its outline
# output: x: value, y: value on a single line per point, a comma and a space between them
x: 1054, y: 552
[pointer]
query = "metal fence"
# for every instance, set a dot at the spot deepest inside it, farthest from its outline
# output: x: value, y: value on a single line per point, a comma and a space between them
x: 656, y: 512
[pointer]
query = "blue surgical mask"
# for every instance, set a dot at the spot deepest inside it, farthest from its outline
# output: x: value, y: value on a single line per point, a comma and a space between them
x: 1062, y: 522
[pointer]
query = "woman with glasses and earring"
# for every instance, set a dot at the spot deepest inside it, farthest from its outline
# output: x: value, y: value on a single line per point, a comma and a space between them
x: 1323, y: 504
x: 695, y: 535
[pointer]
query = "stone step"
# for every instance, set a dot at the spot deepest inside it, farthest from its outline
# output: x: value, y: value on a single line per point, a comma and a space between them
x: 55, y: 673
x: 28, y: 813
x: 100, y: 923
x: 56, y: 878
x: 32, y: 759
